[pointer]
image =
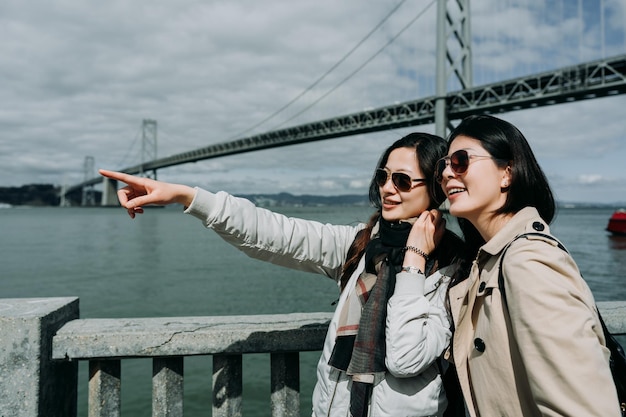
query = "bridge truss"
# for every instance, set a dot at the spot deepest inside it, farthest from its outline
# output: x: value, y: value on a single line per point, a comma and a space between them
x: 584, y: 81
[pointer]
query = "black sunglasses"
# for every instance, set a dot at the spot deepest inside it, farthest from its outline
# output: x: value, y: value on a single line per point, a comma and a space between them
x: 459, y: 162
x: 401, y: 181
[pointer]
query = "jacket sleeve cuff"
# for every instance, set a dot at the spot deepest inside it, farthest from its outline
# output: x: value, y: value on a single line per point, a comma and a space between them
x: 201, y: 205
x: 408, y: 283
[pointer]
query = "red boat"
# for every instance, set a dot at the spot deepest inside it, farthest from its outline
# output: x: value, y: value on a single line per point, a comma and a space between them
x: 617, y: 223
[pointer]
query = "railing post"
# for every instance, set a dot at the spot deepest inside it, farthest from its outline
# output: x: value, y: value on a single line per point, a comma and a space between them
x: 31, y: 384
x: 227, y: 385
x: 167, y: 387
x: 105, y: 388
x: 285, y: 380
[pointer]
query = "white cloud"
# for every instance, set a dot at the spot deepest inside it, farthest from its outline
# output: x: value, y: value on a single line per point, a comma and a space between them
x: 78, y: 79
x: 590, y: 179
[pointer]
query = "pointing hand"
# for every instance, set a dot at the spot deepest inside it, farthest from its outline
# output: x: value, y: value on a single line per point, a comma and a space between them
x: 141, y: 192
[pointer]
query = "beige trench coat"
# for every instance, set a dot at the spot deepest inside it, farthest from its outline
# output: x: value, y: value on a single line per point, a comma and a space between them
x: 549, y: 359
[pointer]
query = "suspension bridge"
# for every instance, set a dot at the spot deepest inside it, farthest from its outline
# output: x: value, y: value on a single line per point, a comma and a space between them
x: 585, y: 80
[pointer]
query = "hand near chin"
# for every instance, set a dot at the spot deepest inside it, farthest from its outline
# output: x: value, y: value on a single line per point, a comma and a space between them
x: 427, y: 231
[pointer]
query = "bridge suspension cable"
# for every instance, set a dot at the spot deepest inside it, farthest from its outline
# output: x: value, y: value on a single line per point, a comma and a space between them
x: 323, y: 76
x: 359, y: 68
x: 130, y: 149
x: 583, y: 31
x: 335, y: 66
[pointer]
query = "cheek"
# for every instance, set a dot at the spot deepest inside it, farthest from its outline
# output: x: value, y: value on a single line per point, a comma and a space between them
x: 487, y: 193
x: 418, y: 204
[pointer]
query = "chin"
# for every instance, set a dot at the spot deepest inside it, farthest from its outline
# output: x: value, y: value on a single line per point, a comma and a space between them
x: 455, y: 210
x: 459, y: 212
x: 393, y: 217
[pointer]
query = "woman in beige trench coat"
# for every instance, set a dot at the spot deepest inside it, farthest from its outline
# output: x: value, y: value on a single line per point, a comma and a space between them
x: 539, y: 350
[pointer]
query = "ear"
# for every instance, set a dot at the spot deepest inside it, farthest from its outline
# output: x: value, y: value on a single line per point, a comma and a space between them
x: 506, y: 177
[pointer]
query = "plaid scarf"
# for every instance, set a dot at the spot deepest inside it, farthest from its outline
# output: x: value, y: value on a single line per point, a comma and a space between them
x: 360, y: 344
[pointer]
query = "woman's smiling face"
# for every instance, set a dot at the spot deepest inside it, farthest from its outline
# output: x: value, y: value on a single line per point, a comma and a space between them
x: 479, y: 190
x: 402, y: 205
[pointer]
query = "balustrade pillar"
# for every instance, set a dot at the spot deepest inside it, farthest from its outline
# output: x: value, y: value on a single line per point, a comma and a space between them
x: 31, y: 384
x: 227, y: 385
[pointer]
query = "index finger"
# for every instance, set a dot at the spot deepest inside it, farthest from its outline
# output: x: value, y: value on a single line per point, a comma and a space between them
x: 120, y: 176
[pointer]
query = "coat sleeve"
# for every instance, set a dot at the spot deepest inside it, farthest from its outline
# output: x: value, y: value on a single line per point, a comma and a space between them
x: 418, y: 326
x: 299, y: 244
x: 555, y: 326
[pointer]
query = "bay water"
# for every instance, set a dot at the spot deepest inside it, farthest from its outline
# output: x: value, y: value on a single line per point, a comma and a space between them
x: 166, y: 264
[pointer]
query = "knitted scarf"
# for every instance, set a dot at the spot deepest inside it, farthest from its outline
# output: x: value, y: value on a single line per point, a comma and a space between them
x: 360, y: 344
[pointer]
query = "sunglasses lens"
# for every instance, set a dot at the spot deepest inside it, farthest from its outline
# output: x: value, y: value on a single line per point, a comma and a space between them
x: 401, y: 181
x: 380, y: 177
x: 459, y: 161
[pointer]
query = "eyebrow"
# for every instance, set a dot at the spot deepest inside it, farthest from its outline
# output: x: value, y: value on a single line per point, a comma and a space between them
x: 402, y: 170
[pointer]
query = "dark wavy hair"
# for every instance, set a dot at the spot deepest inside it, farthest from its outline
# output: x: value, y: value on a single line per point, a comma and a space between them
x: 428, y: 150
x: 528, y: 186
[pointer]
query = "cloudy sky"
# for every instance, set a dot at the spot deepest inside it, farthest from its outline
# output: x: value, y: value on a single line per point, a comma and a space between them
x: 78, y: 78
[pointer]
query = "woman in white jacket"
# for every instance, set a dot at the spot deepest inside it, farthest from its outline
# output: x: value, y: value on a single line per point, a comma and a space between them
x: 390, y: 327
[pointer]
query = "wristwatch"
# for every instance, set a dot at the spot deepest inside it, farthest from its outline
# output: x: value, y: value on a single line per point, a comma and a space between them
x: 412, y: 270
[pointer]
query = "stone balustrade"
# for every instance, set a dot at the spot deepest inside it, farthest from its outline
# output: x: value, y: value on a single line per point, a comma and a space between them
x: 43, y: 339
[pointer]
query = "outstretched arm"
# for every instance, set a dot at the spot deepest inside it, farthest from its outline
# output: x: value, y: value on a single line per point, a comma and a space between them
x: 141, y: 192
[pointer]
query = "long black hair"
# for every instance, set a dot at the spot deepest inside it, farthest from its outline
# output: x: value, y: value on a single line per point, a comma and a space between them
x: 528, y: 186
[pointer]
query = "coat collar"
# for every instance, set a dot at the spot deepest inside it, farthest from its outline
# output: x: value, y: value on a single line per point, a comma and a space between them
x: 525, y: 220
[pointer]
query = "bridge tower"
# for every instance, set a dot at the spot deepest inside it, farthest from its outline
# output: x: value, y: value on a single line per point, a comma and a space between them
x: 63, y: 201
x: 89, y: 195
x: 148, y: 146
x: 454, y: 55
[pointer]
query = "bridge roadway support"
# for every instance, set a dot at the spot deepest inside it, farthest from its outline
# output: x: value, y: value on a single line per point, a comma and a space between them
x: 31, y: 383
x: 109, y: 193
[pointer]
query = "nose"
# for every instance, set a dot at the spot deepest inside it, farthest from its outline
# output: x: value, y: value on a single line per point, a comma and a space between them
x: 447, y: 171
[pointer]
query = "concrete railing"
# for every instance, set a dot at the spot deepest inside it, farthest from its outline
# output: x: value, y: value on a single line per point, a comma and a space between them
x: 42, y: 340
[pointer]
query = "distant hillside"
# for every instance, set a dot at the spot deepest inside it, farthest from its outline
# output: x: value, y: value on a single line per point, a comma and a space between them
x: 286, y: 199
x: 30, y: 195
x: 47, y: 195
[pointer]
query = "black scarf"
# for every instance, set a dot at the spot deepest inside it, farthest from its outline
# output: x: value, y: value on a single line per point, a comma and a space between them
x: 360, y: 345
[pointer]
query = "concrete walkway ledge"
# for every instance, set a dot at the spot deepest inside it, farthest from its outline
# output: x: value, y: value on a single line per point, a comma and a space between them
x: 184, y: 336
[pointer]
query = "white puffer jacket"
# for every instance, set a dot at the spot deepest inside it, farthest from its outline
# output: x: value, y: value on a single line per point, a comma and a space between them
x: 417, y: 322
